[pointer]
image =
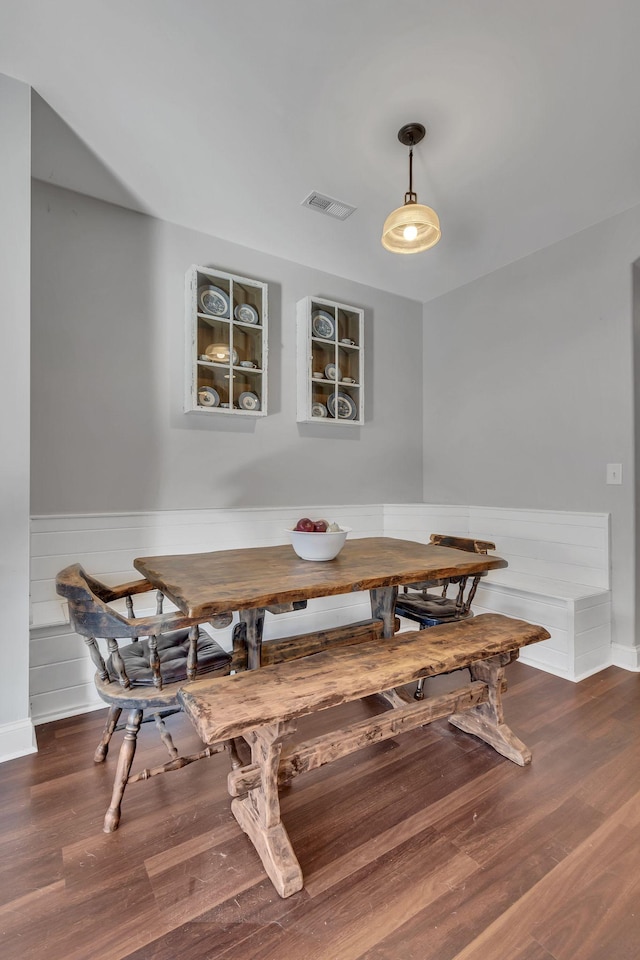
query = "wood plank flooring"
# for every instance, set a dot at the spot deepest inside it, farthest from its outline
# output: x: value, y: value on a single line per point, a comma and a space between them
x: 428, y: 847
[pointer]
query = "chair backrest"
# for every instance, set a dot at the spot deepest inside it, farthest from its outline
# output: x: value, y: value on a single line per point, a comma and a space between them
x: 92, y: 617
x: 471, y: 545
x: 426, y: 605
x: 89, y: 612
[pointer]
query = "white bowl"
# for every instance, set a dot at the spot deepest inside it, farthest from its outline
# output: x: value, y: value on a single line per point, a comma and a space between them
x: 318, y: 546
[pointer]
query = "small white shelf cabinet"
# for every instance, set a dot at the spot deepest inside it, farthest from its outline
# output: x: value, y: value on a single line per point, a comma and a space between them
x: 227, y: 346
x: 330, y: 362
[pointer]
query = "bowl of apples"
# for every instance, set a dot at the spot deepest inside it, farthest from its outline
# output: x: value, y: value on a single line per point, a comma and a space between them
x: 317, y: 539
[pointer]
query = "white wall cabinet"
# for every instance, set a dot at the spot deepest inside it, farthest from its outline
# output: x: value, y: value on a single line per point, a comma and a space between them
x: 330, y: 362
x: 226, y: 350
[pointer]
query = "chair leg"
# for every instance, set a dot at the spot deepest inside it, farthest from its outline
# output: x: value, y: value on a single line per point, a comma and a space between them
x: 419, y: 694
x: 125, y: 759
x: 165, y: 736
x: 103, y: 747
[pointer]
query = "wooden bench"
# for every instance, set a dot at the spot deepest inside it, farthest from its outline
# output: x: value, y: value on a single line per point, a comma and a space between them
x: 262, y: 706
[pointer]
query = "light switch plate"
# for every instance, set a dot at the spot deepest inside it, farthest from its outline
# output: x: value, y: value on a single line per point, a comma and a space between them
x: 614, y: 473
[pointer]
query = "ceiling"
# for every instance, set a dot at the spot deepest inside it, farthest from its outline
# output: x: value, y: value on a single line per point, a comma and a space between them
x: 222, y: 116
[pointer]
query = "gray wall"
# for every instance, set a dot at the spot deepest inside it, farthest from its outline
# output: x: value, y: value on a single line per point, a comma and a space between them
x: 108, y: 431
x: 15, y: 163
x: 528, y: 375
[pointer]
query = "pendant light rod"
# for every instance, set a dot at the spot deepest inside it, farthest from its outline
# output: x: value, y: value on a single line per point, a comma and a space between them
x: 409, y: 135
x: 411, y: 197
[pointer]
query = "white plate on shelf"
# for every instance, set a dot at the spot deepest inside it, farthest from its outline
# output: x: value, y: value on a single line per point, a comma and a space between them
x: 208, y: 397
x: 249, y: 364
x: 323, y: 325
x: 248, y: 401
x: 245, y: 313
x: 219, y: 353
x: 342, y: 408
x: 214, y: 301
x: 332, y: 372
x: 318, y: 410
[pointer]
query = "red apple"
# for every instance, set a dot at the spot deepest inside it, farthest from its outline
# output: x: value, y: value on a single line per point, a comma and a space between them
x: 305, y: 525
x: 320, y: 526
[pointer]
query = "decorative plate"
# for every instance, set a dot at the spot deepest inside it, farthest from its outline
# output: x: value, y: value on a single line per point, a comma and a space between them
x: 208, y: 397
x: 332, y: 372
x: 323, y: 325
x: 248, y: 401
x: 343, y: 408
x: 219, y: 353
x: 214, y: 301
x: 318, y: 410
x: 245, y: 313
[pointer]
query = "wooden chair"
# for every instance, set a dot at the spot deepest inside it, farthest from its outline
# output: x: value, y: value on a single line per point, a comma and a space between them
x: 165, y: 651
x: 429, y: 609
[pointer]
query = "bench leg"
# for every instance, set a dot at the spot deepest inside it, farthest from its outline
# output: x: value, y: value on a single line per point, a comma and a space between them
x: 259, y: 812
x: 486, y: 721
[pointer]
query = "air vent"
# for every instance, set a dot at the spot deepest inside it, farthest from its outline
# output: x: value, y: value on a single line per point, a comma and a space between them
x: 330, y: 206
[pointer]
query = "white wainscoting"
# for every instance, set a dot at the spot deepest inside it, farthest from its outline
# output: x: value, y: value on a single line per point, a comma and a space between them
x: 558, y: 576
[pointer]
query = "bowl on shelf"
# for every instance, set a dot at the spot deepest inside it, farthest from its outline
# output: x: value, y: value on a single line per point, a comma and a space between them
x: 318, y: 546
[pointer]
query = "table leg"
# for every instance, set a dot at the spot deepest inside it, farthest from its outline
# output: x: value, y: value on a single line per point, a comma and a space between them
x: 486, y: 721
x: 252, y: 625
x: 259, y: 812
x: 383, y: 607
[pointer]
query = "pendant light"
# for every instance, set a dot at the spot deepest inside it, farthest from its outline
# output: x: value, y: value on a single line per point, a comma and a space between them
x: 412, y: 227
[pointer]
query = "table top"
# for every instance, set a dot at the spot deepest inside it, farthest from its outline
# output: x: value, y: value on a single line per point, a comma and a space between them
x: 205, y: 584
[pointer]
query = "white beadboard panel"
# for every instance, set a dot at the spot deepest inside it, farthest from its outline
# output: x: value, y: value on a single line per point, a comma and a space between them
x: 57, y: 704
x: 554, y: 551
x: 418, y: 521
x: 540, y: 586
x: 593, y: 615
x: 201, y: 530
x: 59, y: 676
x: 106, y: 545
x: 593, y: 639
x: 53, y: 645
x: 592, y: 662
x: 549, y: 612
x: 540, y: 656
x: 323, y: 613
x: 552, y: 570
x: 551, y: 519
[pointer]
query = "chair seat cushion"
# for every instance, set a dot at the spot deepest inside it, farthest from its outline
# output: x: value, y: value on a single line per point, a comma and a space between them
x: 436, y: 609
x: 172, y: 651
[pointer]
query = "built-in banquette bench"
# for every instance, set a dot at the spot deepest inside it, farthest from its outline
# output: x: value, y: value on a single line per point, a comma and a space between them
x: 557, y: 575
x: 262, y: 706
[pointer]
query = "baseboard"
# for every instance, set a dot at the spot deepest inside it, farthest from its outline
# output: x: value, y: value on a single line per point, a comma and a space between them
x: 17, y: 740
x: 626, y: 657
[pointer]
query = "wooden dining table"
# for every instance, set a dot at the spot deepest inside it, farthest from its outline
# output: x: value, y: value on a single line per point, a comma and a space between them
x: 255, y: 580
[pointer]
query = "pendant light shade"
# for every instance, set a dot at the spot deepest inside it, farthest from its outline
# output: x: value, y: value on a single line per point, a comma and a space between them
x: 412, y: 227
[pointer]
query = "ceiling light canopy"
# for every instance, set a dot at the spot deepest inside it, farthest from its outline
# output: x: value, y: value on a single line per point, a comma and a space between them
x: 412, y: 227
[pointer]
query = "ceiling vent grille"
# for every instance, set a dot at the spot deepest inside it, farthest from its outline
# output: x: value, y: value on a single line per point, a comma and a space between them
x: 328, y: 205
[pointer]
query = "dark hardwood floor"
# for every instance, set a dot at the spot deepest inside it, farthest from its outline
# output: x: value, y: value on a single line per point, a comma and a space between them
x: 430, y: 846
